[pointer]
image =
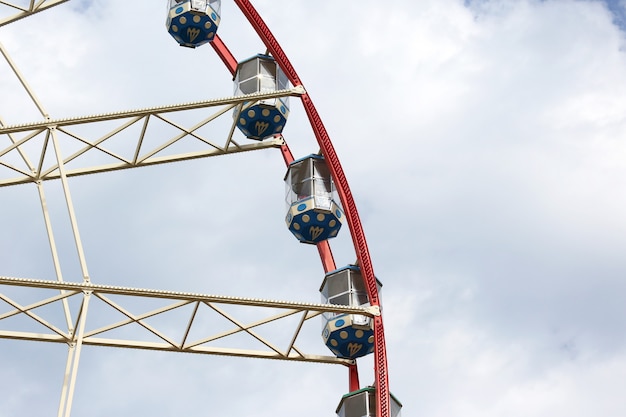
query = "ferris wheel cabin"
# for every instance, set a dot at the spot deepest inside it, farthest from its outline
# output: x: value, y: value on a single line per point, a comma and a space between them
x: 348, y: 336
x: 362, y: 403
x: 261, y: 119
x: 313, y: 208
x: 193, y: 22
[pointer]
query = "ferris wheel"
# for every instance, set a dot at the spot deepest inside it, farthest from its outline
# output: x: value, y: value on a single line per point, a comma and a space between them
x: 319, y: 206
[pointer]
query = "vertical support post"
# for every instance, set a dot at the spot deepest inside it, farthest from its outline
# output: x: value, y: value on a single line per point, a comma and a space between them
x: 73, y: 359
x: 55, y: 255
x: 70, y: 206
x: 66, y: 378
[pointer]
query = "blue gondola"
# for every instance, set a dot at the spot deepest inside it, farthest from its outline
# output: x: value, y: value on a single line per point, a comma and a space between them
x: 314, y: 211
x: 261, y: 119
x: 193, y: 22
x: 348, y: 336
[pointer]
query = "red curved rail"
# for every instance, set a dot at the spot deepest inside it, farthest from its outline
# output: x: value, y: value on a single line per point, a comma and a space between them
x: 343, y: 189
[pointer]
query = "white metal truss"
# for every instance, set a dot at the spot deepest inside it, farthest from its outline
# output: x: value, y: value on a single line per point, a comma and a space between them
x: 187, y: 334
x: 19, y: 9
x: 26, y: 154
x: 116, y: 315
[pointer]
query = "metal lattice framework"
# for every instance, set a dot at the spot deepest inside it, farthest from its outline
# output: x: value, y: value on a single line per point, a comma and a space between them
x: 19, y: 10
x: 30, y: 153
x: 41, y: 165
x: 78, y: 331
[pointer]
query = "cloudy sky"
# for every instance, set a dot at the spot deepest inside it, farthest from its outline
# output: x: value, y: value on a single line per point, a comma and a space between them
x: 483, y: 141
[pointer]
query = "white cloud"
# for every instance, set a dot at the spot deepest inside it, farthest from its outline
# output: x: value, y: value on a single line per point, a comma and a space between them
x: 484, y: 145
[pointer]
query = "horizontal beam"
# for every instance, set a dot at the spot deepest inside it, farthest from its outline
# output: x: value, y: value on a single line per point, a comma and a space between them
x: 266, y: 144
x: 70, y: 121
x: 164, y: 347
x: 186, y: 296
x: 21, y: 154
x: 110, y: 311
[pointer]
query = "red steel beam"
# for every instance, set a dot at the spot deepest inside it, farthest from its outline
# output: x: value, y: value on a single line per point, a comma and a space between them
x: 354, y: 222
x: 224, y: 53
x: 326, y: 255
